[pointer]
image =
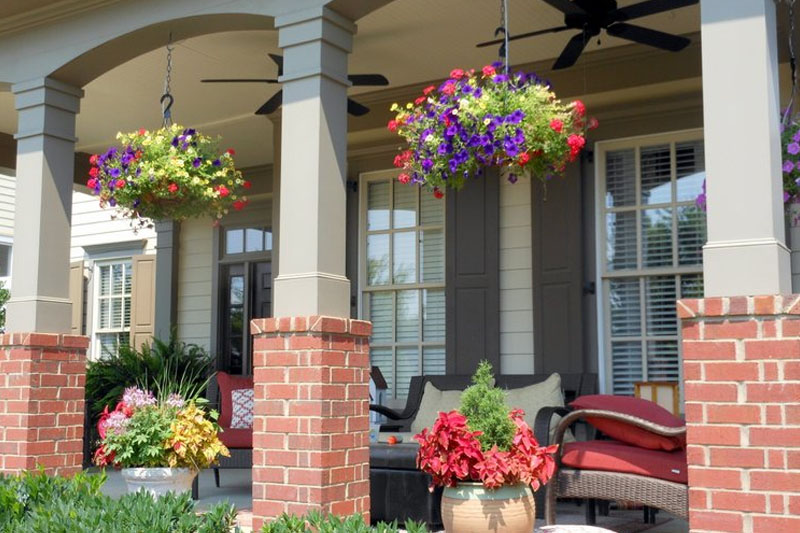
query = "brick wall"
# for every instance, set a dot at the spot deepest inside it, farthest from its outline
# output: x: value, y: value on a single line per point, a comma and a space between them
x: 742, y: 388
x: 311, y: 424
x: 42, y: 380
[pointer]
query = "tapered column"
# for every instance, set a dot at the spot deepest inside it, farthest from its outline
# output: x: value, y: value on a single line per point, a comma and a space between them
x: 166, y: 308
x: 45, y: 167
x: 312, y: 280
x: 745, y: 253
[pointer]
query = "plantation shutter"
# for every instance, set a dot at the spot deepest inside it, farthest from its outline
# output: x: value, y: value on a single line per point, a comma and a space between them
x: 143, y: 300
x: 76, y: 292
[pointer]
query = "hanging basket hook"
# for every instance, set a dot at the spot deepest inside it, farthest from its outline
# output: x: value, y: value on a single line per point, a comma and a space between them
x: 166, y: 97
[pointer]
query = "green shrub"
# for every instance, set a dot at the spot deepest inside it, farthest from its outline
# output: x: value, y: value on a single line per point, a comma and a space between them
x: 485, y: 407
x: 315, y: 522
x: 5, y: 295
x: 36, y: 503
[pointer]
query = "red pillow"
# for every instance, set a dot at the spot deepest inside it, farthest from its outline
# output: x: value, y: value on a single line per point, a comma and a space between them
x: 634, y: 435
x: 227, y: 384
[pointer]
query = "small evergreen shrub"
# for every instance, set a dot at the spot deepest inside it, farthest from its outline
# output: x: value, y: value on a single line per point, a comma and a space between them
x: 485, y: 407
x: 315, y: 522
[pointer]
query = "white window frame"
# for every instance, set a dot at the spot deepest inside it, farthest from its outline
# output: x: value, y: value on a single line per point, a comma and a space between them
x: 603, y: 276
x: 7, y: 240
x: 363, y: 186
x: 97, y: 352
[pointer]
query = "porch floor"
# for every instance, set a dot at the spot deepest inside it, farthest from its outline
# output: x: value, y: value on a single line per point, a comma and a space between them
x: 235, y: 488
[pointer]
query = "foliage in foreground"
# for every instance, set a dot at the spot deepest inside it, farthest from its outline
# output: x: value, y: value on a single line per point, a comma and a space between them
x: 37, y: 503
x: 315, y: 522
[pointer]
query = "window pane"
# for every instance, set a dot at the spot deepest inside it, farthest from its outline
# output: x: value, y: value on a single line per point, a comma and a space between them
x: 656, y: 171
x: 108, y: 343
x: 432, y: 256
x: 382, y: 358
x: 382, y: 317
x: 234, y: 241
x: 128, y: 278
x: 378, y: 259
x: 626, y: 318
x: 5, y: 260
x: 433, y: 362
x: 620, y: 178
x: 691, y: 234
x: 431, y: 210
x: 104, y: 320
x: 404, y: 211
x: 626, y: 362
x: 690, y: 169
x: 657, y: 237
x: 692, y: 286
x: 660, y: 295
x: 236, y: 346
x: 405, y: 257
x: 126, y: 313
x: 105, y: 280
x: 115, y: 311
x: 662, y: 361
x: 407, y: 316
x: 254, y: 240
x: 117, y: 278
x: 433, y: 318
x: 237, y: 290
x: 267, y: 240
x: 621, y: 244
x: 407, y: 367
x: 378, y: 206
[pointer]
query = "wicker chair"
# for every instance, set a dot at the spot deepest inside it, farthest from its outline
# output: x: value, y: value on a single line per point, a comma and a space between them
x: 616, y: 486
x: 240, y: 457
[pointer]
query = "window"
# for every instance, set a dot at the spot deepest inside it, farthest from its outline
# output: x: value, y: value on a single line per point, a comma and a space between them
x: 112, y: 305
x: 5, y: 260
x: 649, y: 254
x: 402, y: 279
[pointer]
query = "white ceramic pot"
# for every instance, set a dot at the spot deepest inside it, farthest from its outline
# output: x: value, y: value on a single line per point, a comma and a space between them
x: 159, y: 481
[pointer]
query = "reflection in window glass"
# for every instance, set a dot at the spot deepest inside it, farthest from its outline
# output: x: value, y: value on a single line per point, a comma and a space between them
x: 267, y: 240
x: 378, y: 206
x: 234, y: 241
x: 254, y: 240
x: 378, y: 259
x: 404, y: 270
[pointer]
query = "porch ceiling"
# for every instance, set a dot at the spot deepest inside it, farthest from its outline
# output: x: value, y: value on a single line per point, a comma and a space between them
x: 409, y: 41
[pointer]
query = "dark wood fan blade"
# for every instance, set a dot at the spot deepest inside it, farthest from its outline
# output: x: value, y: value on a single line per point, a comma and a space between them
x: 371, y: 80
x: 658, y: 39
x: 239, y: 80
x: 650, y: 7
x: 572, y: 51
x: 566, y: 7
x: 356, y: 109
x: 522, y: 36
x: 278, y: 61
x: 271, y: 105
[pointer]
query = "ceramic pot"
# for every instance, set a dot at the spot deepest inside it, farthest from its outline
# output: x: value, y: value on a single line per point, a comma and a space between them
x: 470, y: 508
x: 159, y: 481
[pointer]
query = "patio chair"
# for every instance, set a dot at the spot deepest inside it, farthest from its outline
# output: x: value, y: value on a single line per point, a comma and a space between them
x: 619, y: 471
x: 239, y: 440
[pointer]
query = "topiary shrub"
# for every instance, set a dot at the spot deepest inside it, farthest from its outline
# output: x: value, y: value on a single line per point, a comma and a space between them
x: 485, y: 407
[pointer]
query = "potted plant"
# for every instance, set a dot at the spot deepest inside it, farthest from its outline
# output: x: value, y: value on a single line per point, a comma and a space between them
x: 488, y: 461
x: 489, y: 118
x: 170, y: 173
x: 160, y: 444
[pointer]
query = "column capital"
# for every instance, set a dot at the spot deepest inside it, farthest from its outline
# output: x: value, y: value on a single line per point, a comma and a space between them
x: 47, y: 91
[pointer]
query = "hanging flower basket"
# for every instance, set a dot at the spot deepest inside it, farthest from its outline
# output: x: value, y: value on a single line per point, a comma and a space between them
x: 171, y: 173
x: 474, y: 120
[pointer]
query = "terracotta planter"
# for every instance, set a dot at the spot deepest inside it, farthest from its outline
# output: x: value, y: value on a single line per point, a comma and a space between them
x: 159, y: 481
x: 470, y: 508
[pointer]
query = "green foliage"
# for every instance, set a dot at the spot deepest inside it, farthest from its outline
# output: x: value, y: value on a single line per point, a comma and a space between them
x: 36, y: 503
x: 485, y: 407
x: 315, y: 522
x: 142, y: 442
x: 5, y: 295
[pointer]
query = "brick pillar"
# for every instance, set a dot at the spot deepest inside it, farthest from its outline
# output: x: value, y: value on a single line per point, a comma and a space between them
x: 742, y: 377
x: 42, y: 379
x: 311, y: 424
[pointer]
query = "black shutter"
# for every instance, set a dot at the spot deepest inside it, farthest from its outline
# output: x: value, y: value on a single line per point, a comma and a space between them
x: 473, y: 280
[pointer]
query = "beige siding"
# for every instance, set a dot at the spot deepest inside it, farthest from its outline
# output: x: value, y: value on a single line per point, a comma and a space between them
x: 516, y: 278
x: 7, y: 188
x: 194, y: 282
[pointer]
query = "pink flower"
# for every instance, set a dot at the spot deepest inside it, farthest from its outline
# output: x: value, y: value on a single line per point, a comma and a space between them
x: 392, y: 125
x: 488, y: 71
x: 142, y: 131
x: 404, y: 178
x: 593, y: 124
x: 556, y: 125
x: 457, y: 73
x: 135, y: 398
x: 576, y: 144
x: 173, y: 188
x: 523, y: 158
x: 120, y: 184
x: 449, y: 89
x: 420, y: 100
x: 92, y: 183
x: 94, y: 171
x: 93, y: 159
x: 580, y: 108
x: 428, y: 90
x: 223, y: 191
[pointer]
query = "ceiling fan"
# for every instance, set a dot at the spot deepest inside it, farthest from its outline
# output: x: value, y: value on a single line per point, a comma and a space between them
x: 592, y: 16
x: 272, y: 105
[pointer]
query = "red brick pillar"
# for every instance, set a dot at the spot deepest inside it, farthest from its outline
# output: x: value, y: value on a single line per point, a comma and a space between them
x: 311, y: 423
x: 42, y: 379
x: 742, y: 375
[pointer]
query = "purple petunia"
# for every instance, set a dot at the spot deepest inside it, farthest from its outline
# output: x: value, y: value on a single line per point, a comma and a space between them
x: 197, y: 162
x: 114, y: 172
x: 793, y: 148
x: 427, y: 165
x: 788, y: 166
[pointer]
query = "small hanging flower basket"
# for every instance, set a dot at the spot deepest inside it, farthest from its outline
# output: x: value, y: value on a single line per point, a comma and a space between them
x: 474, y: 120
x: 171, y: 173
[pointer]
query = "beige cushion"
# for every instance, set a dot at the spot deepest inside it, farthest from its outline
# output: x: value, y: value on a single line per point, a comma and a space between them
x: 533, y: 397
x: 433, y: 401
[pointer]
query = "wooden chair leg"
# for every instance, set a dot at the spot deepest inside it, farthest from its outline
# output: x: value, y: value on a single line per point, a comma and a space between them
x: 216, y: 476
x: 591, y: 516
x: 603, y: 507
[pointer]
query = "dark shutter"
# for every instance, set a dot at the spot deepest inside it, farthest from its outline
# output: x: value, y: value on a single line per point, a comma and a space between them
x: 558, y: 274
x: 473, y: 280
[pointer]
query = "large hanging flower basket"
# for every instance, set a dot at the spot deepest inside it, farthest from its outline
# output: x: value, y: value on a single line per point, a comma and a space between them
x: 171, y: 173
x: 474, y: 120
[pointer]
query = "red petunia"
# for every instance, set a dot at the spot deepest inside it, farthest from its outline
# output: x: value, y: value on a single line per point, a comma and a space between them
x: 93, y: 159
x: 576, y: 144
x: 523, y: 158
x: 449, y: 89
x: 580, y: 108
x: 223, y: 191
x: 239, y: 204
x: 457, y: 73
x: 173, y: 188
x: 556, y: 125
x: 488, y: 71
x: 392, y: 125
x: 120, y: 184
x: 593, y: 124
x: 420, y: 100
x: 404, y: 178
x: 94, y: 171
x: 438, y: 194
x: 92, y: 183
x: 247, y: 184
x: 428, y: 90
x: 230, y: 151
x: 142, y: 131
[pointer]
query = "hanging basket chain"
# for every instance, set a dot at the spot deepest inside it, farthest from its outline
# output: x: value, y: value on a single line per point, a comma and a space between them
x: 167, y: 99
x: 787, y: 116
x: 504, y: 22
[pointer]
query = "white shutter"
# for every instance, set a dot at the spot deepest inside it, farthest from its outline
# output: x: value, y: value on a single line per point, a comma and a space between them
x: 660, y: 296
x: 626, y: 361
x: 407, y: 316
x: 432, y: 256
x: 621, y: 178
x: 621, y: 249
x: 433, y: 317
x: 407, y: 367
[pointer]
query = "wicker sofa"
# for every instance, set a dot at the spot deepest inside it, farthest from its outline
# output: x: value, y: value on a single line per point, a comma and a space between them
x: 238, y: 441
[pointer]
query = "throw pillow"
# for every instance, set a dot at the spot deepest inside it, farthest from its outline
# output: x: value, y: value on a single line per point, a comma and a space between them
x: 629, y: 433
x: 227, y: 384
x: 533, y: 397
x: 242, y: 412
x: 433, y: 401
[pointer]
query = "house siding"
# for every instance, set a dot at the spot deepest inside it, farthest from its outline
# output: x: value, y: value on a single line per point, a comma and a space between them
x: 8, y: 186
x: 195, y: 268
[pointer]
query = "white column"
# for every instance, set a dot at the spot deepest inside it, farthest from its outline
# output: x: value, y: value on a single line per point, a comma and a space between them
x: 312, y: 280
x: 166, y: 304
x: 745, y: 253
x: 45, y: 167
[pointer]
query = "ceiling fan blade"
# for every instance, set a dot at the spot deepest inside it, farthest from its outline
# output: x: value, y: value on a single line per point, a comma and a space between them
x: 278, y: 61
x: 650, y: 7
x: 238, y: 80
x: 658, y: 39
x: 271, y: 105
x: 522, y: 36
x: 566, y: 7
x: 372, y: 80
x: 572, y: 51
x: 356, y: 109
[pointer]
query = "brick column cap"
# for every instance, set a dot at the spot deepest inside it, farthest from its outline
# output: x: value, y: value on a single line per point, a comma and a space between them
x: 44, y: 340
x: 727, y: 306
x: 314, y: 323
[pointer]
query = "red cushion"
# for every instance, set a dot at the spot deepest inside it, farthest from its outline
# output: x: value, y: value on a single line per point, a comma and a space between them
x: 236, y: 438
x: 613, y: 456
x: 228, y: 383
x: 628, y: 433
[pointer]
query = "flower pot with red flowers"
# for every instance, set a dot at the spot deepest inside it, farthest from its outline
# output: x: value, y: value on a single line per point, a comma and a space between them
x: 171, y: 173
x: 489, y: 118
x: 488, y: 461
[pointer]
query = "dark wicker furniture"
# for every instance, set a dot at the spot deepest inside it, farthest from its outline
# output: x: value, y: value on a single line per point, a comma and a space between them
x: 240, y: 457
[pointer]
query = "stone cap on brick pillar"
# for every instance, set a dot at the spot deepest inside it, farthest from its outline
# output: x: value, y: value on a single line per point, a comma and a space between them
x: 727, y: 306
x: 306, y: 324
x: 44, y: 340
